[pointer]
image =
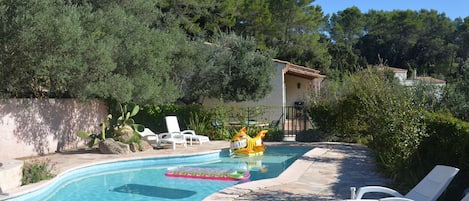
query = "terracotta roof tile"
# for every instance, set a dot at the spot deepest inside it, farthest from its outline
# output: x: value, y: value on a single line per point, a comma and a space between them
x: 393, y: 69
x: 431, y: 79
x: 300, y: 71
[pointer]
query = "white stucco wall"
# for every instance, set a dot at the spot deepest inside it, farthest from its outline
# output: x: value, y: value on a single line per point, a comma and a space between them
x: 303, y: 93
x: 401, y: 76
x: 30, y: 127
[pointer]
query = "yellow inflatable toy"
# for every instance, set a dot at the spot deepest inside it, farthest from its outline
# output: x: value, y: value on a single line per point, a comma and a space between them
x: 243, y: 144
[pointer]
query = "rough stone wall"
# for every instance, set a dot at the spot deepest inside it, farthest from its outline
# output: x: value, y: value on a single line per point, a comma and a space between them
x: 31, y: 127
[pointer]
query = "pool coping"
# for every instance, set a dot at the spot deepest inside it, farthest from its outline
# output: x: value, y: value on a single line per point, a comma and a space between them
x: 30, y: 188
x: 291, y: 174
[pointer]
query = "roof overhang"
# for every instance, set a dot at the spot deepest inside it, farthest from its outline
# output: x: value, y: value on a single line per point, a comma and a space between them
x: 300, y: 71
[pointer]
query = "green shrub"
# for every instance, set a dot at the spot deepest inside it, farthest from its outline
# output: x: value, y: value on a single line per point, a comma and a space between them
x: 152, y: 116
x: 194, y: 117
x: 447, y: 144
x: 324, y: 116
x: 201, y: 119
x: 223, y: 114
x: 407, y: 140
x: 220, y: 121
x: 274, y: 135
x: 368, y: 108
x: 37, y: 170
x: 201, y: 123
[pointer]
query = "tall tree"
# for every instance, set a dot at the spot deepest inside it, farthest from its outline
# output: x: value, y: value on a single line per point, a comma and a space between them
x: 422, y: 40
x: 462, y: 38
x: 394, y: 34
x: 235, y: 70
x: 65, y: 50
x: 347, y: 26
x: 202, y: 18
x: 296, y: 33
x: 434, y: 50
x: 255, y: 19
x: 345, y: 29
x: 42, y: 39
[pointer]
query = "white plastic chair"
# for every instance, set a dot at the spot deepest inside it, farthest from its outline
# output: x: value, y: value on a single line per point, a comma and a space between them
x: 170, y: 138
x: 172, y: 125
x: 428, y: 189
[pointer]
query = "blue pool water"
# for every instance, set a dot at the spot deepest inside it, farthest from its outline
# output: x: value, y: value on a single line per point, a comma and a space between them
x: 145, y: 180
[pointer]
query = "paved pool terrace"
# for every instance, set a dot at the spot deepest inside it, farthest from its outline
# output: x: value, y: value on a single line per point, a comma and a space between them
x: 325, y: 173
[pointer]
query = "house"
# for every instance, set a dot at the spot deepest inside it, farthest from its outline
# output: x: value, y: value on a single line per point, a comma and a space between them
x: 399, y: 73
x: 414, y: 80
x: 292, y: 86
x: 429, y: 80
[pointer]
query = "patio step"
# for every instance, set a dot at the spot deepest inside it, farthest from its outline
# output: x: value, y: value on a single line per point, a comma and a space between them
x: 289, y: 138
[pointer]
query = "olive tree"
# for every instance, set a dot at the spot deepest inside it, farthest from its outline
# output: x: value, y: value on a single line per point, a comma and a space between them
x: 124, y: 51
x: 120, y: 51
x: 235, y: 70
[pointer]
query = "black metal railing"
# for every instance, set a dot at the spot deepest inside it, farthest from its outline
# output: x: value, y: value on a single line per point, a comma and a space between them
x: 296, y: 121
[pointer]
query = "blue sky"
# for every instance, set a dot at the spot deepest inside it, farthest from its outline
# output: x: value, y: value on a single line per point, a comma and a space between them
x: 452, y: 8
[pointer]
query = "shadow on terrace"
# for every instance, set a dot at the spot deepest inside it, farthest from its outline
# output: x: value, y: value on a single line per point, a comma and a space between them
x: 330, y: 176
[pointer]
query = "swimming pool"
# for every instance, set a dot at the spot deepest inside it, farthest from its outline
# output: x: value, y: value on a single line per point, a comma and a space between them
x: 144, y: 179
